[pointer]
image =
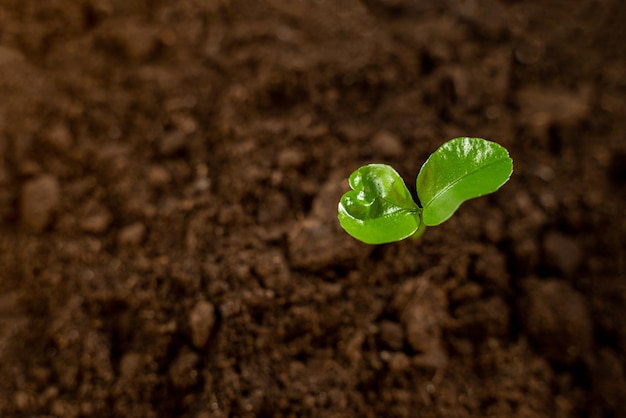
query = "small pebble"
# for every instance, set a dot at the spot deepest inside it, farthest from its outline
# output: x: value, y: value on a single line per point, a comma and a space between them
x: 183, y: 373
x: 387, y: 144
x: 130, y: 364
x: 97, y: 218
x: 60, y: 137
x: 132, y: 234
x: 392, y: 335
x: 201, y: 322
x: 290, y: 158
x: 158, y: 176
x: 39, y: 200
x: 173, y: 143
x: 399, y: 362
x: 22, y: 400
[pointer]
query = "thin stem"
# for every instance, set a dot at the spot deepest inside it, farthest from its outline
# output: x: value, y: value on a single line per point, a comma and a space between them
x: 420, y: 230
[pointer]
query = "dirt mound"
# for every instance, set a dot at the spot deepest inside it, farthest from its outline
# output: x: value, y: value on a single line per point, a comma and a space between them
x: 169, y: 175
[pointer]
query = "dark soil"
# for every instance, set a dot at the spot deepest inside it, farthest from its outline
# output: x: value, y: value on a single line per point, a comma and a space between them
x: 169, y: 175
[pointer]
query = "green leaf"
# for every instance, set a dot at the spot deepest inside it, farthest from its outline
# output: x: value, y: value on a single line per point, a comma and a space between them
x: 461, y: 169
x: 380, y: 208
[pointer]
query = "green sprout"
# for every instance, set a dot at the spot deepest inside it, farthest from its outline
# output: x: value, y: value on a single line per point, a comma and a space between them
x: 380, y: 209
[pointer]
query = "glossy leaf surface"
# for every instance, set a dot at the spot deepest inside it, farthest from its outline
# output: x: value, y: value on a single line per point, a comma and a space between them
x: 380, y: 208
x: 461, y: 169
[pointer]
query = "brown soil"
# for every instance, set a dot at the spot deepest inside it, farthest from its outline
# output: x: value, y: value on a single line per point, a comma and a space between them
x: 169, y: 175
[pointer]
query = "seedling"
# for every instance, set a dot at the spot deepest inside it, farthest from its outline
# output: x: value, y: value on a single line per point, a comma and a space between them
x: 380, y: 209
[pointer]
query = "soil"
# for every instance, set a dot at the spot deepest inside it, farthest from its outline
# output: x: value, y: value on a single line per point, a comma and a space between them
x: 169, y: 175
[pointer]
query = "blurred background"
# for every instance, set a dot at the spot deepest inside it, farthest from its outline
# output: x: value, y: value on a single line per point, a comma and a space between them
x: 169, y: 179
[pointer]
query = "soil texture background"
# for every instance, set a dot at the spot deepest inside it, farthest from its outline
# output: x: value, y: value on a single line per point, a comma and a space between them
x: 169, y: 179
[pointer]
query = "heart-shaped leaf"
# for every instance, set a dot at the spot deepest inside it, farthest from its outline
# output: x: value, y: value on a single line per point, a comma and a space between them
x: 380, y: 208
x: 461, y: 169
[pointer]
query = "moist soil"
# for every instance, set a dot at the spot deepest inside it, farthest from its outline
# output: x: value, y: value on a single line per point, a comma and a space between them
x: 169, y: 178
